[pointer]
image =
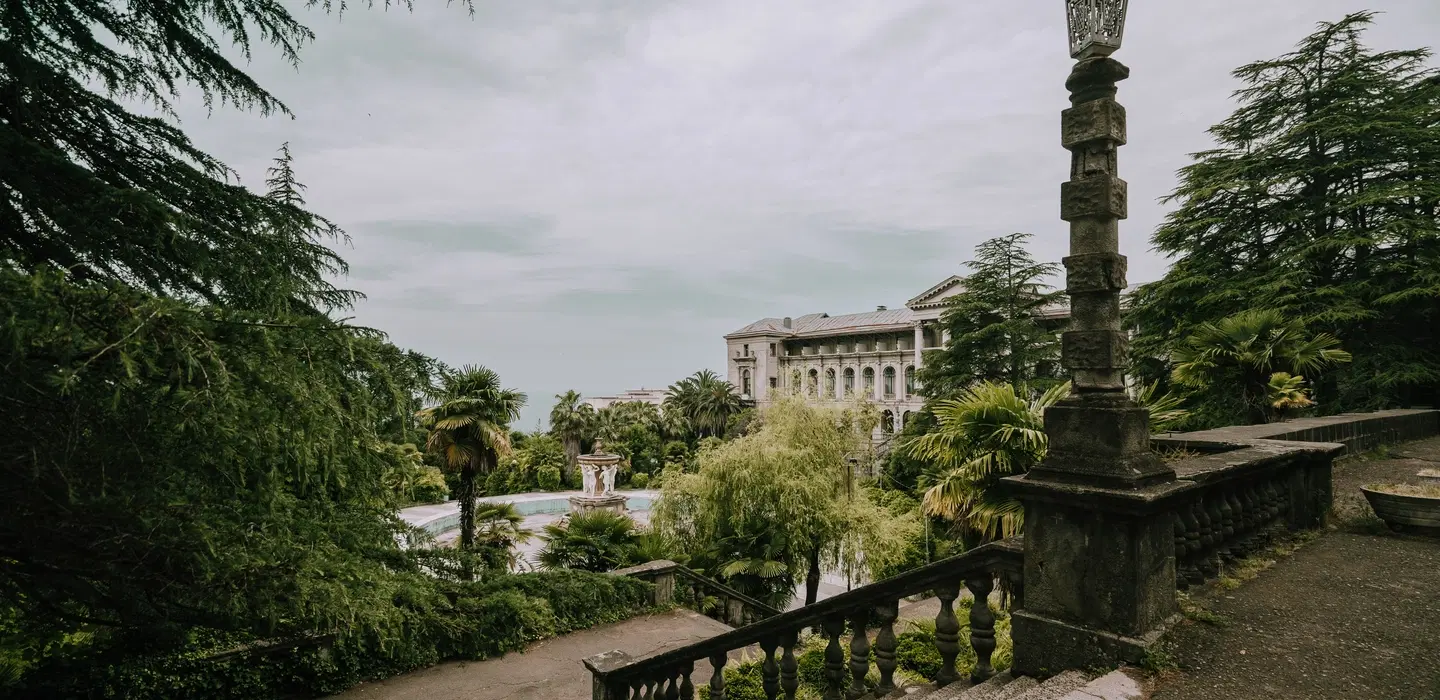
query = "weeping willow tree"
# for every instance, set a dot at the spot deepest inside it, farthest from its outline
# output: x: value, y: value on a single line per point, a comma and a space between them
x: 773, y: 506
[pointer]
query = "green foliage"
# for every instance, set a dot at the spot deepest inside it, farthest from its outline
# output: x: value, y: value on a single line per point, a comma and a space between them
x: 466, y: 621
x: 498, y: 530
x: 902, y: 469
x: 995, y: 331
x: 1256, y: 351
x: 429, y: 486
x: 572, y: 422
x: 596, y: 541
x: 548, y: 478
x: 1321, y: 201
x: 915, y: 651
x: 766, y: 508
x: 640, y: 480
x: 705, y: 402
x: 744, y: 681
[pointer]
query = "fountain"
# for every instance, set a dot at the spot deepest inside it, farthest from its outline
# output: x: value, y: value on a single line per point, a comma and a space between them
x: 597, y: 474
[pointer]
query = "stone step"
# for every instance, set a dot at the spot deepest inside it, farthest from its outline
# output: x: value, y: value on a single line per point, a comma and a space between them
x: 1056, y: 687
x: 1115, y: 685
x: 1016, y: 688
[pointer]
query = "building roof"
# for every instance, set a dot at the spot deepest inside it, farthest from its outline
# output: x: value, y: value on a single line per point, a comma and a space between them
x: 822, y: 324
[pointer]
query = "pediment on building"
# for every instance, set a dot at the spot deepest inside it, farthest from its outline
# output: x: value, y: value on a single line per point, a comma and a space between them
x: 937, y: 294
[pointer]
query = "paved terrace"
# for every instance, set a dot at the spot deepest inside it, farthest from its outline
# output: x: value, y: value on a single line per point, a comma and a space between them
x: 1354, y: 614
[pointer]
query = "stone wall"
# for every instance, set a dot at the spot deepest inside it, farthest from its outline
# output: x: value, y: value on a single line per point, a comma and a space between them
x: 1358, y: 432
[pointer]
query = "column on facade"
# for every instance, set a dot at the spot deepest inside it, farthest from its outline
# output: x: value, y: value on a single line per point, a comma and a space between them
x: 919, y: 343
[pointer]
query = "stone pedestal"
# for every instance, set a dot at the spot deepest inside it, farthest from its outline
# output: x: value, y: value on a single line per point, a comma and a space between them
x: 614, y: 503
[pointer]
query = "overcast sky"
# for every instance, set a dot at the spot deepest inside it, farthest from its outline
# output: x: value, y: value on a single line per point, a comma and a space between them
x: 588, y: 194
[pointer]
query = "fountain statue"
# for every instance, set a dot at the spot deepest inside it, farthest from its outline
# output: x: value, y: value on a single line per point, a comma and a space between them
x: 597, y: 483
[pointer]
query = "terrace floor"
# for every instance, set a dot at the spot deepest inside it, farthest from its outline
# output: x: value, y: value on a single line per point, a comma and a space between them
x: 1353, y: 614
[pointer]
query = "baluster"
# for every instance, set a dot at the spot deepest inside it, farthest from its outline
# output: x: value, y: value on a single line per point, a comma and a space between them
x: 769, y: 670
x: 717, y: 676
x: 687, y: 689
x: 650, y: 690
x: 947, y: 634
x: 982, y: 626
x: 665, y: 687
x: 1256, y: 507
x: 1016, y: 580
x: 1234, y: 545
x: 637, y: 689
x: 886, y: 614
x: 834, y: 659
x: 1177, y: 529
x: 1272, y: 502
x: 1210, y: 560
x: 1227, y: 524
x: 789, y: 678
x: 859, y: 653
x: 1191, y: 513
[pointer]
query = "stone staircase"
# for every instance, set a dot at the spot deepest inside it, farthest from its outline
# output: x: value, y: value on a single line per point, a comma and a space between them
x: 1070, y: 685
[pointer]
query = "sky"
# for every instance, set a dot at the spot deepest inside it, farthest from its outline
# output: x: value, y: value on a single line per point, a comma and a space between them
x: 588, y: 194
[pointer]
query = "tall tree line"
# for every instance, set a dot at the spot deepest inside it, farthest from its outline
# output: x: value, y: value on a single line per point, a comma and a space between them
x: 1321, y: 200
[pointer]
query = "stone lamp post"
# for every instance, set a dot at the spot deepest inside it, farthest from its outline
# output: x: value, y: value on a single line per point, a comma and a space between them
x: 1099, y: 551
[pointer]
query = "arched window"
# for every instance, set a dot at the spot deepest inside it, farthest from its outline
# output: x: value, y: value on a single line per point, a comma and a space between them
x: 830, y: 384
x: 794, y: 387
x: 905, y: 419
x: 813, y: 382
x: 887, y: 422
x: 910, y: 380
x: 869, y: 375
x: 745, y: 383
x: 889, y: 382
x: 849, y: 381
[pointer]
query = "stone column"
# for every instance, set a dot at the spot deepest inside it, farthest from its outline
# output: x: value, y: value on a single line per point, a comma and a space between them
x: 1099, y: 549
x: 919, y: 344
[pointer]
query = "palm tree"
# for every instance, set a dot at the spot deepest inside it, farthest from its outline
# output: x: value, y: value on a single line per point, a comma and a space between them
x: 469, y: 431
x: 1247, y: 349
x: 706, y: 401
x: 596, y: 541
x: 992, y: 431
x: 498, y: 530
x: 572, y: 422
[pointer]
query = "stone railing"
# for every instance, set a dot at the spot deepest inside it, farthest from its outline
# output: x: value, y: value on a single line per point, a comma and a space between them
x: 1235, y: 501
x: 1357, y: 432
x: 617, y: 676
x: 678, y: 584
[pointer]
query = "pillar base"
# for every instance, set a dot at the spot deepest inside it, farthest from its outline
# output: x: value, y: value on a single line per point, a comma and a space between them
x: 1045, y: 646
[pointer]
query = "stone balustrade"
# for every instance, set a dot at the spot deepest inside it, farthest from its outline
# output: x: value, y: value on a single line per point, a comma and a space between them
x: 675, y: 583
x: 617, y: 676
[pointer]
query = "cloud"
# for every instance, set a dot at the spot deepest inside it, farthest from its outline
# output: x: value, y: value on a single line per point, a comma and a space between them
x: 587, y: 193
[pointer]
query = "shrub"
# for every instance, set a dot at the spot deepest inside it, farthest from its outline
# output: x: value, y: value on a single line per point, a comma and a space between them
x: 548, y: 478
x: 640, y: 480
x: 485, y: 619
x: 429, y: 486
x: 742, y: 682
x: 595, y: 541
x: 915, y: 651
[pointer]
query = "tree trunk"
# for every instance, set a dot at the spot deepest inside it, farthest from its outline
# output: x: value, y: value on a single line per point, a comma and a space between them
x: 572, y: 459
x: 812, y: 578
x: 465, y: 494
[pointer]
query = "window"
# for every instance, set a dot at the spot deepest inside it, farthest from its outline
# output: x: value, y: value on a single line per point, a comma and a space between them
x: 910, y: 380
x: 772, y: 349
x: 904, y: 419
x: 889, y: 382
x: 869, y: 375
x: 849, y: 381
x: 773, y: 382
x: 745, y: 382
x: 747, y: 350
x: 830, y: 383
x: 887, y: 422
x: 812, y: 383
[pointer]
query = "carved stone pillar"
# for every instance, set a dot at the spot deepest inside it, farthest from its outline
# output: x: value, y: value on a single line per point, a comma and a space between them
x: 1099, y: 544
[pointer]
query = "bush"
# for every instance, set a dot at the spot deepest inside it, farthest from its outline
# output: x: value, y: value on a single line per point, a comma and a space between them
x: 548, y: 478
x: 640, y: 480
x: 742, y: 682
x: 486, y: 619
x: 429, y: 486
x: 915, y: 651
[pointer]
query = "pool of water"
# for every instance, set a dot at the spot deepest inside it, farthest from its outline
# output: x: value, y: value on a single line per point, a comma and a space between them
x: 448, y: 517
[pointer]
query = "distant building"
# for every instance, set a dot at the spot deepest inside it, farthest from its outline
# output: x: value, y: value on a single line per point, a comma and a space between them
x: 827, y: 358
x: 655, y: 397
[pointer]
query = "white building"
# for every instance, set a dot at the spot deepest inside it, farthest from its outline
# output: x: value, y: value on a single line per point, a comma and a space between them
x: 825, y: 358
x: 654, y: 397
